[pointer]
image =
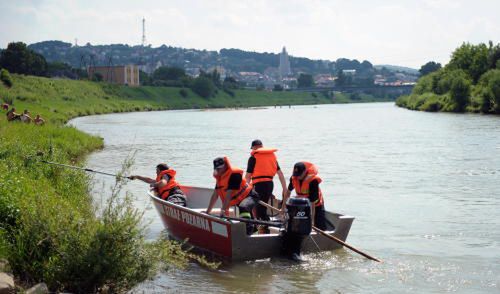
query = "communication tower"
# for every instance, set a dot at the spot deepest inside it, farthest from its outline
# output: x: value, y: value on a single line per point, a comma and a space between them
x: 143, y: 32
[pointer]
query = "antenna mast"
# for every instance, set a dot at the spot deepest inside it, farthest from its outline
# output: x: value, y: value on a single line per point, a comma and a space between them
x: 143, y: 32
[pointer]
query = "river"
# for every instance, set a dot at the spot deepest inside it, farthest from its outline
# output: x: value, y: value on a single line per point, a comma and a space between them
x: 424, y: 188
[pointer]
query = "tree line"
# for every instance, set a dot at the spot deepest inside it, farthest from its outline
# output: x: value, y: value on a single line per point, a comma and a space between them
x: 469, y: 82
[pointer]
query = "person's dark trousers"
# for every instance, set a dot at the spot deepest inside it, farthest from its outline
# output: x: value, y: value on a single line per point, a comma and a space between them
x: 246, y: 206
x: 265, y: 191
x: 320, y: 218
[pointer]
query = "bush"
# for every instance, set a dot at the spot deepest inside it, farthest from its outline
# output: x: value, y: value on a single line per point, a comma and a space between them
x: 203, y: 87
x: 460, y: 92
x: 5, y: 78
x: 184, y: 93
x: 51, y: 231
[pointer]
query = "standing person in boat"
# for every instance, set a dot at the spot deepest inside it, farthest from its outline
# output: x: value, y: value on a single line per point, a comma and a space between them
x: 305, y: 181
x: 232, y: 189
x: 261, y: 169
x: 165, y: 185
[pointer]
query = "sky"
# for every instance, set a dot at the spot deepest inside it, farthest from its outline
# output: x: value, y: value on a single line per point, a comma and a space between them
x: 403, y: 32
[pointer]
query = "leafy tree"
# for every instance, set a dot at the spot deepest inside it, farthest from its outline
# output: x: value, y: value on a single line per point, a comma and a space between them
x: 494, y: 56
x: 144, y: 78
x: 278, y: 87
x: 60, y: 69
x: 97, y: 77
x: 214, y: 76
x: 471, y: 58
x: 305, y: 81
x: 17, y: 58
x: 203, y: 86
x: 230, y: 83
x: 429, y: 67
x: 166, y: 73
x: 490, y: 82
x: 460, y: 92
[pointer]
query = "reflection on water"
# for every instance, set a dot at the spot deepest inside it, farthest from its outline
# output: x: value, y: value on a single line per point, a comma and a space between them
x: 422, y: 186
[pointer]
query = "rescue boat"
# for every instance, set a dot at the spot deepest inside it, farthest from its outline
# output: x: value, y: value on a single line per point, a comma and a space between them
x: 227, y: 239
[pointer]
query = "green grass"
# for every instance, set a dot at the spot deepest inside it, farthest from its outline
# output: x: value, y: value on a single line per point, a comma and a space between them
x: 50, y: 228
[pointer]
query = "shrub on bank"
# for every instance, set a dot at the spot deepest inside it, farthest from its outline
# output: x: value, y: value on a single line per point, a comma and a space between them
x: 50, y: 228
x: 5, y: 78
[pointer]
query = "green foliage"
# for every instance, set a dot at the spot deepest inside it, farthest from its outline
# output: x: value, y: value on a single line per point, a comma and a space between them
x: 5, y: 78
x: 203, y: 86
x: 184, y: 93
x: 213, y: 76
x: 52, y: 231
x: 469, y: 82
x: 230, y: 83
x: 429, y: 67
x: 278, y: 88
x: 305, y: 81
x: 425, y: 84
x: 97, y: 77
x: 17, y: 58
x: 471, y: 58
x: 490, y: 95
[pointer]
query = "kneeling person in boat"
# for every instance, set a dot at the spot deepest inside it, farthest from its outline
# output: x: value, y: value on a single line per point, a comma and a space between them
x: 165, y: 185
x: 305, y: 181
x: 232, y: 189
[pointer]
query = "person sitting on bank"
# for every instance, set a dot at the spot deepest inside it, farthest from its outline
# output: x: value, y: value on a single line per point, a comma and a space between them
x: 232, y: 189
x: 12, y: 115
x: 26, y: 116
x: 261, y: 169
x: 306, y: 182
x: 165, y: 185
x: 39, y: 120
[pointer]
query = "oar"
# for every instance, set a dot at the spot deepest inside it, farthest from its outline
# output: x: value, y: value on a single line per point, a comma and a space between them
x: 330, y: 237
x: 253, y: 221
x: 84, y: 169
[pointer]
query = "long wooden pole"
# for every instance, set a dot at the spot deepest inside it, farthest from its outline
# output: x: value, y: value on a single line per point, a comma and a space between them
x: 330, y: 237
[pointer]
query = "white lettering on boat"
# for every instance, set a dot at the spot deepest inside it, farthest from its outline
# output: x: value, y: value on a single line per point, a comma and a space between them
x: 195, y: 220
x: 173, y: 213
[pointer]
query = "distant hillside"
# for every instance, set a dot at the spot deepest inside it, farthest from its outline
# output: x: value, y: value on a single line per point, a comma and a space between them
x: 397, y: 68
x: 233, y: 60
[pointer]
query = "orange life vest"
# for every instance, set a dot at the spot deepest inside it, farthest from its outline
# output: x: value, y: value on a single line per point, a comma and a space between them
x: 222, y: 182
x: 164, y: 191
x: 266, y: 165
x: 302, y: 189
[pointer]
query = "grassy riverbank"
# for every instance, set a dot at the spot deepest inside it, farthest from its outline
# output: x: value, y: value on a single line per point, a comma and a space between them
x: 50, y: 228
x: 60, y: 100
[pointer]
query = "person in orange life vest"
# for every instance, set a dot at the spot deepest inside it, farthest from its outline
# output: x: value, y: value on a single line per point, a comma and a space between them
x: 262, y: 167
x: 306, y: 182
x: 165, y: 185
x: 232, y: 189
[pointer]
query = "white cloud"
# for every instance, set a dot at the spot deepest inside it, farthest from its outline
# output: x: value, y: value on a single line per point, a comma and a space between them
x: 397, y: 32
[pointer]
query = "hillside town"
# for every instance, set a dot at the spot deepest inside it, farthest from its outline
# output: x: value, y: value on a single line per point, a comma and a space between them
x: 250, y: 69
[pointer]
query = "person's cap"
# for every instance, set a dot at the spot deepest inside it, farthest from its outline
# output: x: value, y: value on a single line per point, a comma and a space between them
x: 219, y: 162
x: 256, y: 142
x: 298, y: 169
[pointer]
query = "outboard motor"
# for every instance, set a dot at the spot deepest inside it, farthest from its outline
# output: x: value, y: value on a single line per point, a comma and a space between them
x: 298, y: 226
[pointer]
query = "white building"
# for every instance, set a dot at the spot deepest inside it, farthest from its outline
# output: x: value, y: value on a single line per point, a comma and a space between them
x: 284, y: 68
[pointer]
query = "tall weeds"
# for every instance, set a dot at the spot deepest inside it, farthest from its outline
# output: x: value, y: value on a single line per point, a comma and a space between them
x: 52, y: 231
